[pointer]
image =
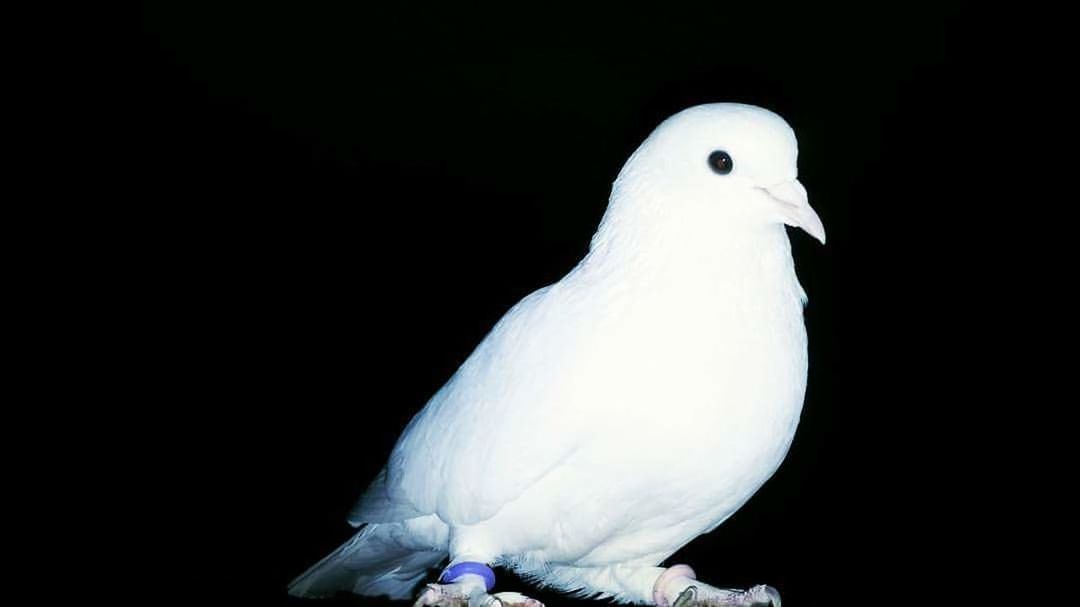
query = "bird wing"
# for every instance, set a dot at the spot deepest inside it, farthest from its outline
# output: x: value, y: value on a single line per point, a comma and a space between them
x: 494, y: 429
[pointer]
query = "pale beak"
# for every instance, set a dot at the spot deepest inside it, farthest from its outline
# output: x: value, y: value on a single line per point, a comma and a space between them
x: 794, y: 207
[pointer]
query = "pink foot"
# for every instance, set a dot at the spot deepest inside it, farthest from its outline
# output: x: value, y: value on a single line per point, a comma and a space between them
x: 678, y: 587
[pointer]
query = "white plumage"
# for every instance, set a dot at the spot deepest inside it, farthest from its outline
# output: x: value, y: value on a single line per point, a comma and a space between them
x: 610, y: 418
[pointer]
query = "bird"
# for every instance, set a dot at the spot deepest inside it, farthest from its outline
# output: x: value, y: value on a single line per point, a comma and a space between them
x: 610, y: 418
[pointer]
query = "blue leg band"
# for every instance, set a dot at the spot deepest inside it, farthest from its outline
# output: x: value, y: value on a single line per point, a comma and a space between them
x: 455, y: 571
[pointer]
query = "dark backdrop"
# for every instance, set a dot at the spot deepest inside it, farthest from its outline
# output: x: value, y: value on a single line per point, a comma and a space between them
x: 330, y: 206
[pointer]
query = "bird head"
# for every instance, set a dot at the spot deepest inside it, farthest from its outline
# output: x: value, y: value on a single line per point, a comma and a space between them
x: 735, y: 164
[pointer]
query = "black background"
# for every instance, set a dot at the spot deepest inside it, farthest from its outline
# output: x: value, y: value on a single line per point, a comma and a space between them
x: 327, y: 206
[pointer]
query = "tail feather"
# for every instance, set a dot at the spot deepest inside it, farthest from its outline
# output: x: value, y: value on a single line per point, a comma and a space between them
x: 371, y: 564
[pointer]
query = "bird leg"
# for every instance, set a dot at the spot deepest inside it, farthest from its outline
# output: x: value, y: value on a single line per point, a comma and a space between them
x: 466, y: 591
x: 678, y: 586
x: 470, y: 590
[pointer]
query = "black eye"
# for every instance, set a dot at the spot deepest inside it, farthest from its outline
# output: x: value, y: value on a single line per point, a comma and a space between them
x: 720, y: 162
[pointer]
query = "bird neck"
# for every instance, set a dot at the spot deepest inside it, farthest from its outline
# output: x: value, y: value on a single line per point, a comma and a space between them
x: 693, y: 254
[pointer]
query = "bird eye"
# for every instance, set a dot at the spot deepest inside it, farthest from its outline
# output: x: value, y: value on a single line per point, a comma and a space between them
x: 720, y: 162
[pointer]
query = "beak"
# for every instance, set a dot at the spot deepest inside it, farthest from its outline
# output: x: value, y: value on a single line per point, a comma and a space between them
x: 790, y: 198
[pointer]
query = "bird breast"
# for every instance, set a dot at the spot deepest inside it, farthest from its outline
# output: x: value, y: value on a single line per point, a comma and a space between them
x: 701, y: 380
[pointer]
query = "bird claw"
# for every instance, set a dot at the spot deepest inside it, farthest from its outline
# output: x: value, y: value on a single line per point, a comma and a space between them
x: 686, y: 598
x: 764, y: 595
x: 441, y: 595
x: 454, y: 595
x: 758, y: 596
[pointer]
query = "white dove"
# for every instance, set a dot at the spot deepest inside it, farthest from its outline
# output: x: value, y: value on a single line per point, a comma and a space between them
x: 612, y: 417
